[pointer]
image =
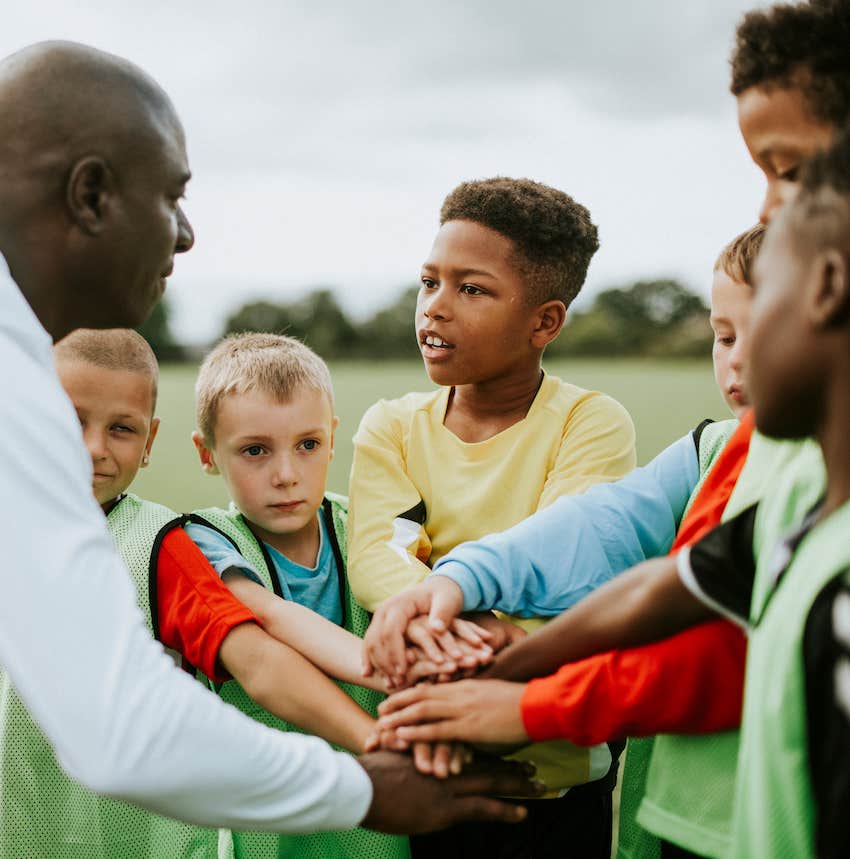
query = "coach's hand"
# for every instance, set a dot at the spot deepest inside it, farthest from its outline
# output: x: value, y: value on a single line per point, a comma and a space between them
x: 404, y: 802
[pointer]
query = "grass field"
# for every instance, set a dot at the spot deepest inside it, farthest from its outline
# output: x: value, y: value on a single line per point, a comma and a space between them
x: 665, y: 399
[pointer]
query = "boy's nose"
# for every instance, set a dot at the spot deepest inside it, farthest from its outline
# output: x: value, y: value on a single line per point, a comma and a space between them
x: 95, y: 444
x: 436, y: 304
x: 284, y: 473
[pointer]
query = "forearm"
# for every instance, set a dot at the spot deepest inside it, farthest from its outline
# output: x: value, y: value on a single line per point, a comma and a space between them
x: 293, y: 689
x: 121, y: 717
x: 335, y: 651
x: 553, y: 559
x: 691, y: 682
x: 643, y: 605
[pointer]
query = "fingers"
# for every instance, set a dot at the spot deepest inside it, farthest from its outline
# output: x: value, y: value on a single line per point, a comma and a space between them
x: 423, y: 758
x: 470, y: 632
x: 384, y: 643
x: 461, y: 755
x: 407, y: 697
x: 482, y: 808
x: 446, y: 602
x: 435, y: 646
x: 497, y: 778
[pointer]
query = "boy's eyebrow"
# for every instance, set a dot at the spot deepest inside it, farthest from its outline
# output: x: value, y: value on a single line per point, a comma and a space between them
x: 460, y: 272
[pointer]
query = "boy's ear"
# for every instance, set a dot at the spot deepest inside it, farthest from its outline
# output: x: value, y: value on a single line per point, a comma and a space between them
x: 829, y: 295
x: 146, y: 459
x: 89, y: 193
x: 205, y: 453
x: 550, y: 317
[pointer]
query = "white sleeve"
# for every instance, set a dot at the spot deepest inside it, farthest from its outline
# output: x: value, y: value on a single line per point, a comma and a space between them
x: 121, y: 717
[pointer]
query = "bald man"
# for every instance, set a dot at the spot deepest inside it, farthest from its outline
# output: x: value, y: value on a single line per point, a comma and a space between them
x: 92, y: 169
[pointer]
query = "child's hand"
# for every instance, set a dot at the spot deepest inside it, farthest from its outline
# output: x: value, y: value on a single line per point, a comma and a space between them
x: 385, y: 642
x: 502, y: 632
x: 462, y: 645
x: 471, y: 711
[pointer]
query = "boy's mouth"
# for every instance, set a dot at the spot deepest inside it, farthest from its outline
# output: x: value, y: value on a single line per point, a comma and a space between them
x: 430, y: 340
x: 287, y: 506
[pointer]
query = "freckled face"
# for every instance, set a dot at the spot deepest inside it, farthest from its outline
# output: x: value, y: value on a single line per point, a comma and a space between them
x: 730, y: 322
x: 780, y: 132
x: 274, y: 458
x: 115, y: 408
x: 472, y: 320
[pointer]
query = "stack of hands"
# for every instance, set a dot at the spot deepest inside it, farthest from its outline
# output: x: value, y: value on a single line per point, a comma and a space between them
x: 426, y: 651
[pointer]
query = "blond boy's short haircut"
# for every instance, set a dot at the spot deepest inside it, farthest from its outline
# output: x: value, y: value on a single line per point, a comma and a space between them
x: 737, y: 258
x: 111, y: 349
x: 273, y: 364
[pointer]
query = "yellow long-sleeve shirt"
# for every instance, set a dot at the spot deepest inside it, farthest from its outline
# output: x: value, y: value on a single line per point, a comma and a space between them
x: 417, y: 490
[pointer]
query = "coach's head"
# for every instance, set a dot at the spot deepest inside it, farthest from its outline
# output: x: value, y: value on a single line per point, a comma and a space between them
x: 92, y: 169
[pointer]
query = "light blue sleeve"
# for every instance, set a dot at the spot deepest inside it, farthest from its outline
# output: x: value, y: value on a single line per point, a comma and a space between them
x: 219, y: 551
x: 548, y: 562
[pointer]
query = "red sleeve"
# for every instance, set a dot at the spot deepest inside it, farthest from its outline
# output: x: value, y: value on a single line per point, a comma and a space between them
x: 195, y: 609
x: 690, y: 683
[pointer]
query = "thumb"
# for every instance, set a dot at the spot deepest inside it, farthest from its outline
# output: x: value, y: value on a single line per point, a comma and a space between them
x: 446, y: 603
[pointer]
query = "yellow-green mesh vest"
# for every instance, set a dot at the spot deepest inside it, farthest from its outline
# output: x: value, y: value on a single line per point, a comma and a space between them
x: 354, y: 843
x: 635, y: 842
x: 46, y: 815
x: 691, y: 780
x: 774, y: 807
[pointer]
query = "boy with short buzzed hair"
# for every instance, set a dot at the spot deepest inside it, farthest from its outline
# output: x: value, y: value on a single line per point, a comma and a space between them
x: 266, y: 424
x: 499, y: 440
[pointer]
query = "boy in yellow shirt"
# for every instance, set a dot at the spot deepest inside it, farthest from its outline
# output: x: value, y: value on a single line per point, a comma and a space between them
x: 499, y: 440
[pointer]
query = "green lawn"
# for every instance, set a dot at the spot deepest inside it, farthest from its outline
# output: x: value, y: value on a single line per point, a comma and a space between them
x: 665, y: 399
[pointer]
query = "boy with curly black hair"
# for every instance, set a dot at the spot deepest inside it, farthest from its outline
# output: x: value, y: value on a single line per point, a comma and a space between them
x: 497, y: 441
x: 791, y: 77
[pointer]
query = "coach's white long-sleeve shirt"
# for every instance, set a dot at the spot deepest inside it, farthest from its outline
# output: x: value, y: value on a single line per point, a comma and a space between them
x: 121, y: 717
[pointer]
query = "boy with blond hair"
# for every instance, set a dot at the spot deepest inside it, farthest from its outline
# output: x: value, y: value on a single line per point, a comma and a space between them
x: 499, y: 440
x: 266, y: 424
x: 111, y: 379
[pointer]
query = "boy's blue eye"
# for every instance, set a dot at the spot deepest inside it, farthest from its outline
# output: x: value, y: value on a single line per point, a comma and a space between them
x: 253, y: 450
x: 310, y: 444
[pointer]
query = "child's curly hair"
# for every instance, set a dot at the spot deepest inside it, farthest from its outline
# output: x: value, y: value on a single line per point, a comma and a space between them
x: 804, y: 45
x: 553, y: 236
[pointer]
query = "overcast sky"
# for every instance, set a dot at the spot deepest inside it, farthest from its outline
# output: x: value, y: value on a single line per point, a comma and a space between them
x: 323, y: 136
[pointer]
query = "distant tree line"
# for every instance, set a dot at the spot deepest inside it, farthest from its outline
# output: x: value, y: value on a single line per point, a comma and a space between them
x: 653, y: 318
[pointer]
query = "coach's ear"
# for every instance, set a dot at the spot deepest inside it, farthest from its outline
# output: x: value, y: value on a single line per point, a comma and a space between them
x: 205, y: 453
x: 89, y: 194
x: 830, y: 296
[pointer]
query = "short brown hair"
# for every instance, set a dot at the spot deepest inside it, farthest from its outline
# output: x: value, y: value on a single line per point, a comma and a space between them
x: 737, y: 258
x: 553, y: 235
x: 111, y: 349
x: 275, y: 364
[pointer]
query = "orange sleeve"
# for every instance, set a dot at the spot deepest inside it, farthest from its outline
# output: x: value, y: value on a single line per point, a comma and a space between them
x: 691, y: 683
x: 195, y: 609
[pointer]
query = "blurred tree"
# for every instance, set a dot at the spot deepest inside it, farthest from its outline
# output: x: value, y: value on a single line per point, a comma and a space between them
x: 260, y: 316
x: 317, y: 319
x: 156, y: 329
x: 650, y: 317
x: 390, y: 332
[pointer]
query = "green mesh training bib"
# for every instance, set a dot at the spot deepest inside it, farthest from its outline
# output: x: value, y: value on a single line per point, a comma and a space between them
x: 691, y: 780
x: 774, y: 807
x: 634, y: 841
x: 46, y: 815
x: 351, y: 844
